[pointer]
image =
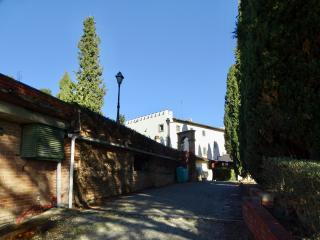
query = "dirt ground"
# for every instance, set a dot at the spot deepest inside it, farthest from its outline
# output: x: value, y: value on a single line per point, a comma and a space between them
x: 205, y: 210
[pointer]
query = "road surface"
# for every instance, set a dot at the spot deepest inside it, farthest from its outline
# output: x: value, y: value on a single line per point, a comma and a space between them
x: 202, y: 210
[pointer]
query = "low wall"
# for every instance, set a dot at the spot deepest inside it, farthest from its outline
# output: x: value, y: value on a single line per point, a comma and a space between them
x: 261, y: 223
x: 104, y: 172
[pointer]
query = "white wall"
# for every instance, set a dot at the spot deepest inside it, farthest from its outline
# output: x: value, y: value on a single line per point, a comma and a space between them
x: 202, y: 167
x: 149, y: 126
x: 202, y: 142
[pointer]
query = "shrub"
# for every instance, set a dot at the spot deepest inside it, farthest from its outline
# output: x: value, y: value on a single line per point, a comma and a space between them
x: 298, y: 182
x: 233, y: 176
x: 223, y: 174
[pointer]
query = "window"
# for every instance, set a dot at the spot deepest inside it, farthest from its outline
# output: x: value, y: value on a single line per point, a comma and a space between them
x: 42, y: 142
x: 178, y: 128
x: 203, y: 133
x: 161, y: 127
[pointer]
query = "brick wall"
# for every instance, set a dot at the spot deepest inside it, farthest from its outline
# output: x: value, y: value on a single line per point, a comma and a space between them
x: 261, y: 223
x: 105, y: 172
x: 23, y: 183
x: 100, y: 172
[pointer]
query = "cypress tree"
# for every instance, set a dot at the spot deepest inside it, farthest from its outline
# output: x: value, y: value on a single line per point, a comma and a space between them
x: 279, y: 46
x: 231, y: 118
x: 89, y: 89
x: 66, y: 89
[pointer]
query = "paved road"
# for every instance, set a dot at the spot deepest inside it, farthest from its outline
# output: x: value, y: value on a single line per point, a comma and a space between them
x: 205, y: 210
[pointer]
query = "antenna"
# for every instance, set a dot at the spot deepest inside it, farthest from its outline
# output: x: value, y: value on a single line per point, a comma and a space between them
x: 181, y: 108
x: 19, y: 76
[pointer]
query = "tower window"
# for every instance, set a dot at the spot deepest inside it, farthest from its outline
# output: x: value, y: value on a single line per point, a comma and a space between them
x: 161, y: 127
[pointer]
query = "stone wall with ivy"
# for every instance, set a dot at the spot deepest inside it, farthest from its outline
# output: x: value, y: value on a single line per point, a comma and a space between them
x: 104, y: 171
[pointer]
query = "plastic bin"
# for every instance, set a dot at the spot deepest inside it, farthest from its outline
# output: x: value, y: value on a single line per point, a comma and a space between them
x: 182, y: 174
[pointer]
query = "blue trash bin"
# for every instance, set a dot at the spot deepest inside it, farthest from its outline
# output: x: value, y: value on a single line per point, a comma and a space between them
x: 182, y: 174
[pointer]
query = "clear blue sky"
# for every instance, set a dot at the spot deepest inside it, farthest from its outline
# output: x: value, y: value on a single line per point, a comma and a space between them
x: 174, y: 54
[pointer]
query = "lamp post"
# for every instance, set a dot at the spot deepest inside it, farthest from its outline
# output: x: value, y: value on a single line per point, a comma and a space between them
x: 168, y: 136
x: 119, y: 78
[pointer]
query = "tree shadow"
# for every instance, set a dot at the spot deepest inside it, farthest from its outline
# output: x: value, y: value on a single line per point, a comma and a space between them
x: 199, y: 151
x: 188, y: 211
x: 184, y: 127
x: 216, y: 151
x: 27, y: 186
x: 209, y: 152
x: 103, y: 172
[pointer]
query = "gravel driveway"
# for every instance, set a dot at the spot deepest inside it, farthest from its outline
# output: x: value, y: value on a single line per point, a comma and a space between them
x: 204, y: 210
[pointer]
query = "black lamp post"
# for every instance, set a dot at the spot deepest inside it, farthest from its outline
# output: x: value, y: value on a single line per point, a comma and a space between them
x: 119, y: 78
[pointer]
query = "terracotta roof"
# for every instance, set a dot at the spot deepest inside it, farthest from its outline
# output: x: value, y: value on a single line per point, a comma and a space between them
x: 198, y: 124
x: 224, y: 158
x: 20, y: 94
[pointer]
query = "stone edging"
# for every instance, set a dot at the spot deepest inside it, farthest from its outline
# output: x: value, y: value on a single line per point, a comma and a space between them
x: 261, y: 223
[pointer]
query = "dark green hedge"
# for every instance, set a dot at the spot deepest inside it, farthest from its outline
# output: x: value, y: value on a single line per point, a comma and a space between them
x: 298, y: 182
x: 223, y: 174
x: 279, y: 50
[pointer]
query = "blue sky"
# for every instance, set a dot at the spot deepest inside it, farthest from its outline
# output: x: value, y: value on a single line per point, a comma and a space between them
x: 174, y: 54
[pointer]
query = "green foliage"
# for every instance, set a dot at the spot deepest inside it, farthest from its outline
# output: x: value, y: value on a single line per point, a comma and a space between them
x: 279, y: 47
x: 223, y: 174
x: 90, y: 89
x: 122, y: 119
x: 233, y: 176
x: 298, y: 182
x: 231, y: 118
x: 66, y: 89
x: 46, y: 90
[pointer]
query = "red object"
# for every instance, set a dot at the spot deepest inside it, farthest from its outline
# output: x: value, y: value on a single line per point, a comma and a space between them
x: 36, y: 209
x: 261, y: 223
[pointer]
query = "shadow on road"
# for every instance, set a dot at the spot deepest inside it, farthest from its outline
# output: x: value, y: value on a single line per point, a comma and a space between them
x: 206, y: 210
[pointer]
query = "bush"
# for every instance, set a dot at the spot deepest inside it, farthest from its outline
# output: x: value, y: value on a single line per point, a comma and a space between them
x: 298, y: 183
x: 223, y: 174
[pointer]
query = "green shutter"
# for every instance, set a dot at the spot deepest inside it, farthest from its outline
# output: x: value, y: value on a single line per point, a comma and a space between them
x: 42, y: 142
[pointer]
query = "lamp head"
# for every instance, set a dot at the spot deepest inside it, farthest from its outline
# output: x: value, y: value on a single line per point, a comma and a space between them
x: 119, y: 77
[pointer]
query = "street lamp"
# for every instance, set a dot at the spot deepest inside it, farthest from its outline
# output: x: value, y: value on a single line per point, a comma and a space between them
x: 119, y: 78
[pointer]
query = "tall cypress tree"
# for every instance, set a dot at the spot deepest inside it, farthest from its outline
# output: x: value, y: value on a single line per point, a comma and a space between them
x: 231, y: 118
x: 279, y: 81
x: 89, y: 89
x: 66, y: 89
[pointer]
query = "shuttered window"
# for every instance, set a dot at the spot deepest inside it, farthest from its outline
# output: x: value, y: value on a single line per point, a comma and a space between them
x: 42, y: 142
